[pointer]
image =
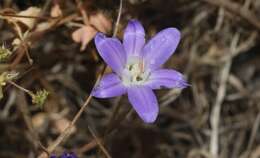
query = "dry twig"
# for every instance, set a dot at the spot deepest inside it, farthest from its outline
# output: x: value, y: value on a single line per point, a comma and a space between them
x: 238, y: 10
x: 215, y: 114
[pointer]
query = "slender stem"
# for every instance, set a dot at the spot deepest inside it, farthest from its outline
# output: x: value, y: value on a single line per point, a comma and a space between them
x: 30, y: 17
x: 118, y: 18
x: 20, y: 87
x: 216, y: 110
x: 99, y: 143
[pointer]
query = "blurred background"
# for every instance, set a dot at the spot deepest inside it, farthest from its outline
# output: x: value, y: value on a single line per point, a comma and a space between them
x: 49, y: 64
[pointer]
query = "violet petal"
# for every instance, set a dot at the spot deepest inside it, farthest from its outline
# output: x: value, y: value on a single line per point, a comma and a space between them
x: 161, y: 47
x: 68, y: 155
x: 112, y: 52
x: 167, y: 78
x: 134, y: 38
x: 109, y: 86
x: 53, y: 156
x: 144, y: 102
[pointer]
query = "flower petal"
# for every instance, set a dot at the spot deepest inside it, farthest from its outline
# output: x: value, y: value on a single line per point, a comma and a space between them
x: 53, y: 156
x: 166, y: 78
x: 134, y: 38
x: 161, y: 47
x: 109, y: 86
x: 144, y: 102
x: 112, y: 52
x: 68, y: 155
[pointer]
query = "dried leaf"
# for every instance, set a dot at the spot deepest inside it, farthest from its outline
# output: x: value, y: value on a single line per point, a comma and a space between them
x: 100, y: 22
x: 29, y: 22
x: 16, y: 42
x: 56, y: 11
x: 84, y: 35
x: 43, y: 26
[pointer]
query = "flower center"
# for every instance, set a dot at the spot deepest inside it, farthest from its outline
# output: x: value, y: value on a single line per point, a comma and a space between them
x: 134, y: 72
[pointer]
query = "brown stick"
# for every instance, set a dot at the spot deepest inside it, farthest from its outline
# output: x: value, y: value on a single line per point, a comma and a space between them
x: 238, y: 10
x: 30, y: 17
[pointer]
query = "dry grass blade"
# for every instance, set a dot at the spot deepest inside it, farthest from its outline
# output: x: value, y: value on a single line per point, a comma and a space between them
x: 238, y: 10
x: 215, y: 114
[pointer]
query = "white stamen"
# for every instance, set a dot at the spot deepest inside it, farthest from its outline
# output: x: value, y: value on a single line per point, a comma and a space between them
x: 134, y: 73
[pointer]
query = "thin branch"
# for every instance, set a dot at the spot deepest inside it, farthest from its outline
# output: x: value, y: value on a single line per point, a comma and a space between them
x: 118, y: 18
x: 215, y: 114
x: 20, y: 87
x: 112, y: 129
x: 99, y: 143
x: 26, y: 16
x: 238, y: 10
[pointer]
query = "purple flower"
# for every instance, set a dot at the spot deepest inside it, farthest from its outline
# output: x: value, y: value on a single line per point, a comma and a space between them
x: 53, y: 156
x: 68, y: 155
x: 65, y: 155
x: 136, y: 67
